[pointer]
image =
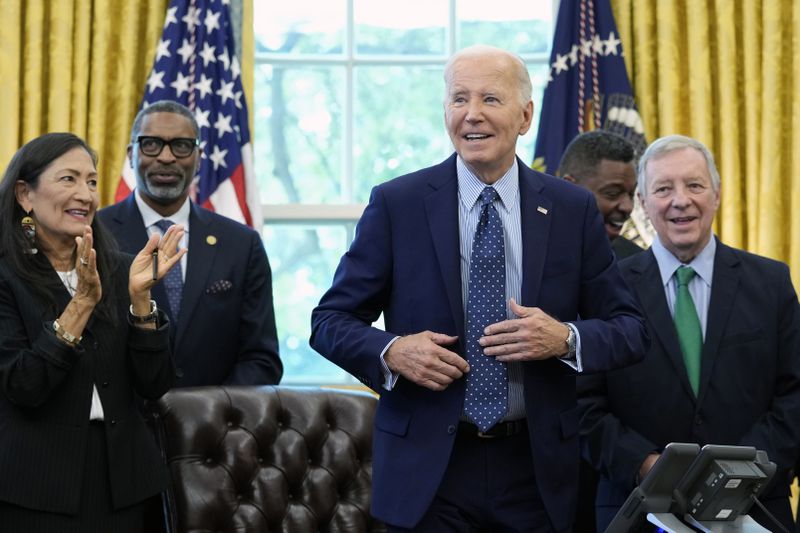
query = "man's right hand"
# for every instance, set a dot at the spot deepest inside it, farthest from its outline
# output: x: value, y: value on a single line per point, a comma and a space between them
x: 648, y: 463
x: 421, y: 359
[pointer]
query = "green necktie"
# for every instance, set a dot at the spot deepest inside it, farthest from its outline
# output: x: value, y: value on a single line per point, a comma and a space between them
x: 690, y: 335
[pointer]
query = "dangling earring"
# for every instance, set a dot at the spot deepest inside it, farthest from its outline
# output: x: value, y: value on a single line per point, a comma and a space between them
x: 29, y: 231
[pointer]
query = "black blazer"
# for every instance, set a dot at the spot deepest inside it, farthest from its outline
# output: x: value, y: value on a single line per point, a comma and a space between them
x: 46, y: 393
x: 749, y: 383
x: 624, y: 248
x: 226, y: 330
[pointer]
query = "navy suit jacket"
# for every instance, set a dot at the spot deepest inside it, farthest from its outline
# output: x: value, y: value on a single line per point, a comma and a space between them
x: 226, y: 330
x: 46, y: 395
x: 749, y: 376
x: 404, y: 262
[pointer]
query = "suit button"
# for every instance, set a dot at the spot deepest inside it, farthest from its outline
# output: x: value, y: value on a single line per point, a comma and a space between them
x: 179, y: 372
x: 451, y: 429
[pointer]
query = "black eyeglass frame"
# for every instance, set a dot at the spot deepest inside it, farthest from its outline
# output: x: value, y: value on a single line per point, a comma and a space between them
x: 194, y: 142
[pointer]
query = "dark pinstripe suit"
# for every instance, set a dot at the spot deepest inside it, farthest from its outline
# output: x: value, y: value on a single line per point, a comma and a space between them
x: 45, y: 396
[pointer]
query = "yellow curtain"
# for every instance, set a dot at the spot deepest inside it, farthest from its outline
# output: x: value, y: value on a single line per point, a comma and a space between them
x: 79, y: 66
x: 728, y: 73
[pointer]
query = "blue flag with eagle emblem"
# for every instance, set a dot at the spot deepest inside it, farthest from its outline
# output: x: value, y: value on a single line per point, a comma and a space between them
x: 587, y: 86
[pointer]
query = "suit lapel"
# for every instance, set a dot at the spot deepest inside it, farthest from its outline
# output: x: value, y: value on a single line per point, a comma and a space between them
x: 199, y: 260
x: 650, y: 291
x: 441, y: 207
x: 535, y: 221
x: 724, y: 286
x: 129, y: 231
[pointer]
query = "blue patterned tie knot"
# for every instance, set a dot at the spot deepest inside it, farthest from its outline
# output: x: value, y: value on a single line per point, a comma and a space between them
x: 173, y: 281
x: 486, y: 400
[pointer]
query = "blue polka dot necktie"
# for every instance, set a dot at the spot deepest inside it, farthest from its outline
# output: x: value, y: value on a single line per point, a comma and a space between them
x: 486, y: 400
x: 173, y: 281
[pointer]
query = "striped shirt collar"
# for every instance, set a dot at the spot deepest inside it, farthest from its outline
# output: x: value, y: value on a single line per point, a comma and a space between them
x: 703, y: 263
x: 470, y: 186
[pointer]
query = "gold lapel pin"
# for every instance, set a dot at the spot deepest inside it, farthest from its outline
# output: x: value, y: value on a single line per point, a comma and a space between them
x: 542, y: 210
x: 211, y: 240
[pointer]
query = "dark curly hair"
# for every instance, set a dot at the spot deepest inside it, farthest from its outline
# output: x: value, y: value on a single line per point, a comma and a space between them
x: 584, y: 153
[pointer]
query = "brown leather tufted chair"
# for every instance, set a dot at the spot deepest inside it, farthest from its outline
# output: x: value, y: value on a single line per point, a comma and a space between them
x: 267, y: 459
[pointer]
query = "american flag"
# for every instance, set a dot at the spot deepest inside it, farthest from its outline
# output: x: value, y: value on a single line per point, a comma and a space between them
x: 196, y: 65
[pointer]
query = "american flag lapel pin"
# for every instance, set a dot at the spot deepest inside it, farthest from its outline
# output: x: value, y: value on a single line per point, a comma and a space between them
x: 542, y: 210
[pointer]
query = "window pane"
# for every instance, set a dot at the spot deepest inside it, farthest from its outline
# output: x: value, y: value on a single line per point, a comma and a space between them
x: 399, y: 123
x: 411, y: 27
x: 298, y: 133
x: 300, y: 27
x: 303, y: 259
x: 521, y: 26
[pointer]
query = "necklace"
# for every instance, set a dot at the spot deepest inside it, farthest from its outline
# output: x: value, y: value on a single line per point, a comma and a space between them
x: 70, y: 280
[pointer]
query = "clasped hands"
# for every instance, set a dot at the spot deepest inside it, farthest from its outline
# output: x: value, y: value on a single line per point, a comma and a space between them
x: 423, y: 359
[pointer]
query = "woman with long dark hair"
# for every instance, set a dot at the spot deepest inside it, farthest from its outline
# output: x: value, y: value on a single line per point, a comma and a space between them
x: 80, y: 341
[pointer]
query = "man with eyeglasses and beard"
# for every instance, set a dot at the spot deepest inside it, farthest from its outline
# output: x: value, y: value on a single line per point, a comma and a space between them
x: 220, y: 299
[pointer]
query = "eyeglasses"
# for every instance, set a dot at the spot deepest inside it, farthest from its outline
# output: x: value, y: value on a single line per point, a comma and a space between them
x: 181, y: 146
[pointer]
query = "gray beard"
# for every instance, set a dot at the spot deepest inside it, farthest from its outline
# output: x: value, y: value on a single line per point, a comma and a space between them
x: 165, y: 194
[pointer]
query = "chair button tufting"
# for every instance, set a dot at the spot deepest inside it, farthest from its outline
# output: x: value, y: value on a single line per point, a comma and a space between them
x: 230, y: 424
x: 208, y: 460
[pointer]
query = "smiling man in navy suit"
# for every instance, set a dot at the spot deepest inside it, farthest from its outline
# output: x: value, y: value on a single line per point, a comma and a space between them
x: 221, y: 301
x: 724, y: 363
x: 476, y: 427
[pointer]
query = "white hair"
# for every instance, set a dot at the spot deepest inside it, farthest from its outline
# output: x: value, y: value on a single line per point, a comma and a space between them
x: 671, y: 143
x: 524, y: 85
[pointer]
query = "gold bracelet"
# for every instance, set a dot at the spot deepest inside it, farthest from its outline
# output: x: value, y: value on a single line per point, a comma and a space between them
x: 64, y: 335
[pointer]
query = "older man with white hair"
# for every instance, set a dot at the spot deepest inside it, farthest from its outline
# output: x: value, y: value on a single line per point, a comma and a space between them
x: 497, y: 285
x: 724, y: 363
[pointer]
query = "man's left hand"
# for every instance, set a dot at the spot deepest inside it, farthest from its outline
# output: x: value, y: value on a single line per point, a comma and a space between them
x: 535, y: 335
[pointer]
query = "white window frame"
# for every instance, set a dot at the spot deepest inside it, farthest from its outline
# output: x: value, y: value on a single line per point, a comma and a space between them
x: 351, y: 212
x: 346, y: 215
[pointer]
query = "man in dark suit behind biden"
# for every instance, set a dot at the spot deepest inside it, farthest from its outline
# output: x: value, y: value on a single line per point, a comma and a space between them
x: 476, y: 263
x: 723, y: 366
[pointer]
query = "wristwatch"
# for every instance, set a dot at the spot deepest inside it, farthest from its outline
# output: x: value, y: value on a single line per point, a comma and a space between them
x: 144, y: 319
x: 571, y: 349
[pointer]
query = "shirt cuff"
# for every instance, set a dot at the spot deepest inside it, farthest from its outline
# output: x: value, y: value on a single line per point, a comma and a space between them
x: 576, y: 363
x: 389, y: 377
